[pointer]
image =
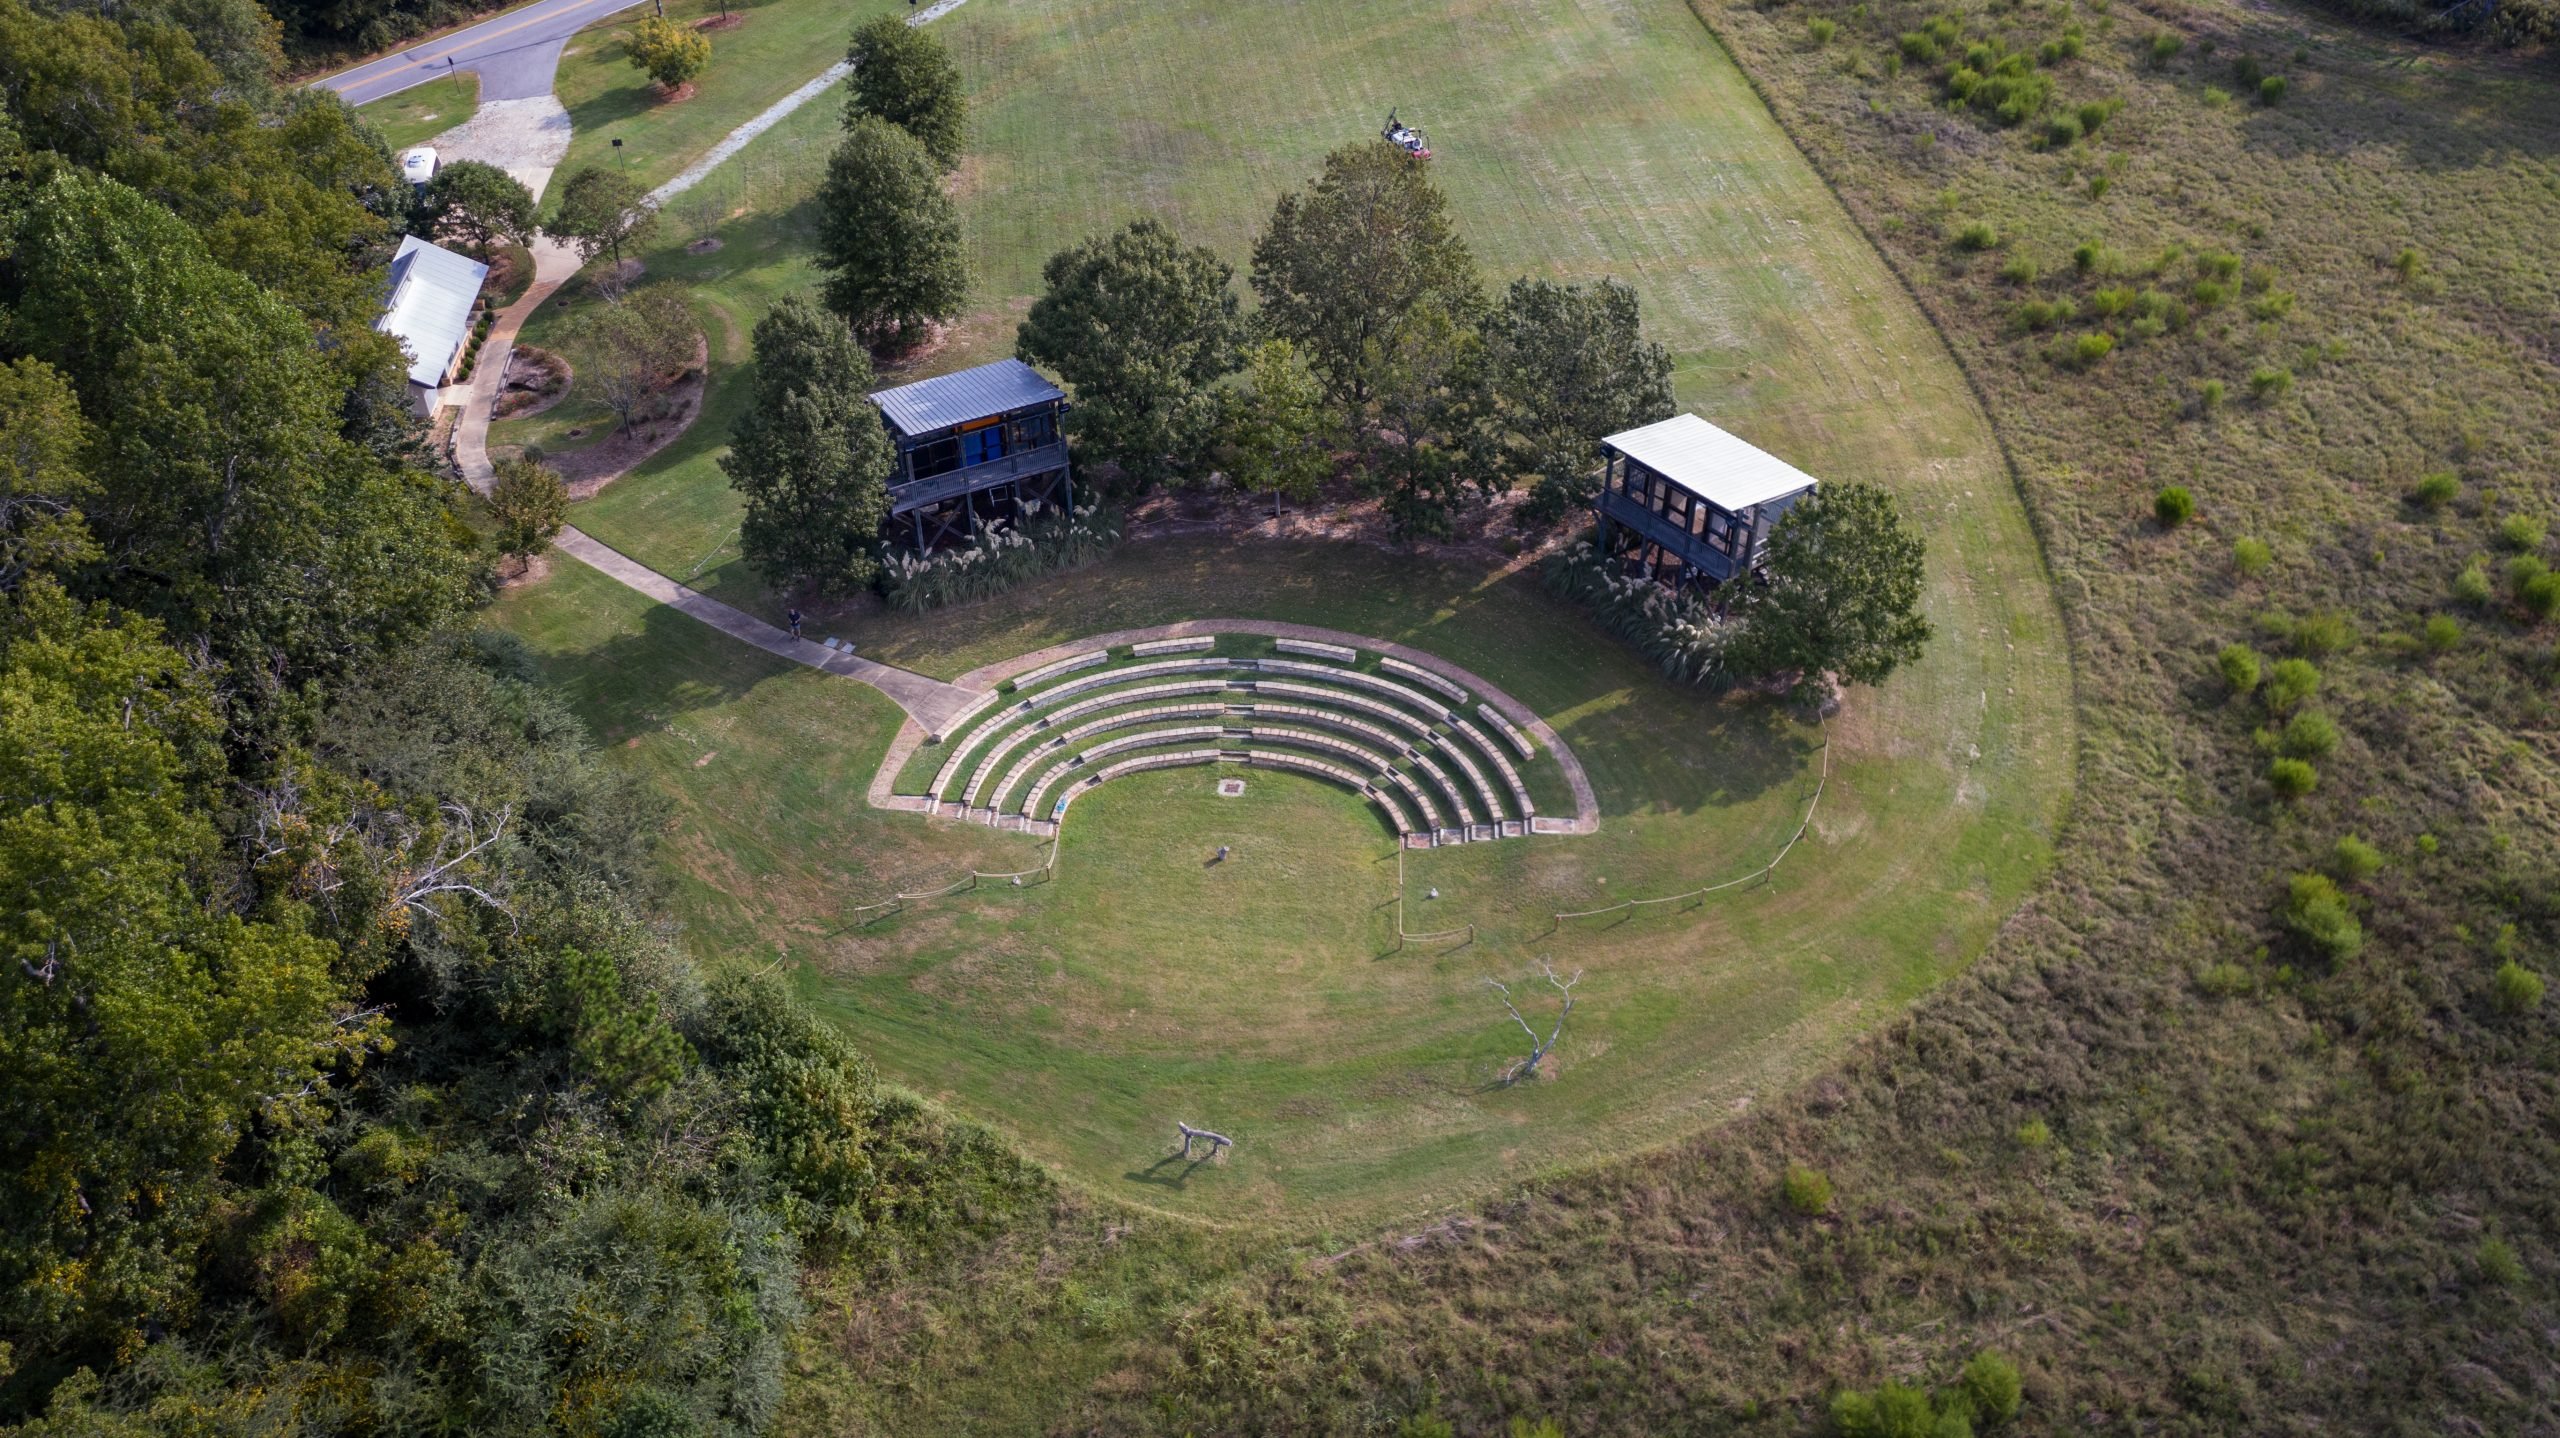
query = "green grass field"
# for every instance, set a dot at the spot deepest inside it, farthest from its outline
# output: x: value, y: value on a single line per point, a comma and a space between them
x: 1087, y: 1015
x: 422, y: 112
x: 779, y: 46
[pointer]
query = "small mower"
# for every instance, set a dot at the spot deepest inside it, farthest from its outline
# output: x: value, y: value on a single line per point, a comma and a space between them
x: 1405, y: 137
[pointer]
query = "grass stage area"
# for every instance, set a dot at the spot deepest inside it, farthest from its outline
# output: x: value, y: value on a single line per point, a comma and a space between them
x: 1266, y: 999
x: 422, y: 112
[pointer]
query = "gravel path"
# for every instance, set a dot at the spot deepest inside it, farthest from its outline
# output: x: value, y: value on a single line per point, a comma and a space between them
x: 525, y: 138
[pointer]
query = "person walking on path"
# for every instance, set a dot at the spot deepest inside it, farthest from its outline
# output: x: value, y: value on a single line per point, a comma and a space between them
x: 795, y: 623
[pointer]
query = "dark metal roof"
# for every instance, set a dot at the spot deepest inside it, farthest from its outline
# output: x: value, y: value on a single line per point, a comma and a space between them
x: 946, y: 400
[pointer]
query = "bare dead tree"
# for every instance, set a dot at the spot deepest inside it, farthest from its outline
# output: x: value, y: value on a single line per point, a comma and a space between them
x: 1216, y: 1141
x: 380, y: 839
x: 1538, y: 1050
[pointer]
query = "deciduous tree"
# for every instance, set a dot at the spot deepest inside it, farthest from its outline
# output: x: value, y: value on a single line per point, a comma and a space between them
x: 1143, y: 327
x: 667, y: 52
x: 810, y: 455
x: 600, y: 212
x: 1342, y: 263
x: 1570, y: 364
x: 1272, y: 431
x: 637, y: 345
x: 1428, y: 440
x: 478, y: 204
x: 902, y: 74
x: 1843, y: 595
x: 888, y: 237
x: 530, y: 503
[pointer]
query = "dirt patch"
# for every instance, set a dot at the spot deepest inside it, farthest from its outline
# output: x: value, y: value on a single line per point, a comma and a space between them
x: 904, y: 358
x: 672, y: 411
x: 730, y: 21
x: 1340, y: 514
x: 708, y: 244
x: 534, y: 572
x: 676, y: 96
x: 536, y: 380
x: 966, y: 178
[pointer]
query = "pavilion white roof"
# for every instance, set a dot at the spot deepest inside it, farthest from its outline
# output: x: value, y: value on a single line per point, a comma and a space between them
x: 1725, y: 470
x: 429, y: 309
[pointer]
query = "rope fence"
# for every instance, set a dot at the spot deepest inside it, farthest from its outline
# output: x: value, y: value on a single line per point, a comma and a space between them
x: 1759, y: 875
x: 1046, y: 871
x: 1466, y: 934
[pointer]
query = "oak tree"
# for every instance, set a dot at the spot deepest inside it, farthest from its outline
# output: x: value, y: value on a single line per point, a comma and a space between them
x: 1843, y: 592
x: 903, y: 75
x: 1571, y: 364
x: 888, y: 237
x: 810, y: 455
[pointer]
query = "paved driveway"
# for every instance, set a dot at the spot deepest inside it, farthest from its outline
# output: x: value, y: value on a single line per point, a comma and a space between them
x: 514, y: 54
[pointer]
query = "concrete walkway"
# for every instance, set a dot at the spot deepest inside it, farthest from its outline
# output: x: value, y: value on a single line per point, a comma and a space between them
x: 553, y: 264
x: 928, y: 701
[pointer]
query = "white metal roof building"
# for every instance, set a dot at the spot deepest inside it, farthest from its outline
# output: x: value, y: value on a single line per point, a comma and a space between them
x: 429, y: 308
x: 1690, y: 502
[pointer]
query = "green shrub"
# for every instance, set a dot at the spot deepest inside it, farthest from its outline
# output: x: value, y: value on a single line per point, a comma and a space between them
x: 2472, y: 585
x: 2218, y: 265
x: 2211, y: 293
x: 2316, y: 911
x: 2437, y: 490
x: 2518, y: 989
x: 2251, y: 557
x: 1919, y: 47
x: 2173, y: 506
x: 2499, y: 1265
x: 2523, y: 570
x: 2353, y: 860
x: 2246, y: 72
x: 2092, y: 258
x: 2034, y: 1133
x: 2409, y: 263
x: 2019, y: 270
x: 2309, y: 734
x: 1820, y: 30
x: 2271, y: 90
x: 1992, y: 1382
x: 1894, y: 1410
x: 2540, y: 595
x: 2520, y: 532
x: 2289, y: 682
x: 2065, y: 46
x: 2215, y: 97
x: 2442, y: 634
x: 2325, y: 632
x: 2097, y: 113
x: 2108, y: 303
x: 2224, y: 980
x: 2165, y: 47
x: 2292, y: 778
x: 1806, y: 1190
x: 1978, y: 235
x: 2272, y: 306
x: 2046, y: 314
x: 2269, y: 382
x: 2062, y: 131
x: 2210, y: 394
x: 2239, y: 666
x: 2098, y: 186
x: 2092, y: 347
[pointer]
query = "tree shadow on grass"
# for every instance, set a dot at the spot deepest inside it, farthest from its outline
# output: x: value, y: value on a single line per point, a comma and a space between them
x: 639, y: 681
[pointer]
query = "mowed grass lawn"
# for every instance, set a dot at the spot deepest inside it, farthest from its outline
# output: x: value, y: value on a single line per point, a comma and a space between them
x: 1266, y: 996
x: 1086, y: 1016
x: 422, y: 112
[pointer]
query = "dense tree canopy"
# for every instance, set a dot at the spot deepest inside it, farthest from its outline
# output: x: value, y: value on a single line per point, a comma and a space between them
x: 600, y: 211
x: 1571, y: 364
x: 1143, y: 328
x: 810, y: 455
x: 1430, y: 443
x: 1843, y: 596
x: 902, y: 74
x: 1340, y: 264
x: 888, y: 236
x: 477, y: 204
x: 1272, y: 426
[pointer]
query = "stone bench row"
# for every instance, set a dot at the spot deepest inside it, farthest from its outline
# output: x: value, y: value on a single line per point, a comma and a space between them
x: 1174, y: 646
x: 1335, y: 652
x: 963, y: 743
x: 1062, y: 748
x: 1149, y: 740
x: 1052, y: 737
x: 1428, y: 679
x: 1401, y: 692
x: 1514, y: 737
x: 1502, y: 766
x: 1054, y: 668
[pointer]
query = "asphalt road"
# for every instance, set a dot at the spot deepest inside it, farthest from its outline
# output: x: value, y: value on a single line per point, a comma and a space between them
x: 514, y: 54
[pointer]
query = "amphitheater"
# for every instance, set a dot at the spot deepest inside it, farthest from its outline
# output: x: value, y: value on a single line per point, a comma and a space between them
x: 1445, y: 757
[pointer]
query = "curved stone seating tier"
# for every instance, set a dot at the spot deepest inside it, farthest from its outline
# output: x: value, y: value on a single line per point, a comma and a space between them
x: 1068, y: 748
x: 1084, y: 760
x: 949, y: 773
x: 1403, y: 692
x: 1174, y: 646
x: 1337, y: 774
x: 1448, y: 787
x: 1323, y: 743
x: 1421, y: 801
x: 1068, y: 665
x: 1132, y: 766
x: 1501, y: 765
x: 1051, y: 736
x: 1483, y: 790
x: 1455, y: 692
x: 1420, y: 729
x: 1340, y: 654
x: 1386, y: 742
x: 1510, y: 735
